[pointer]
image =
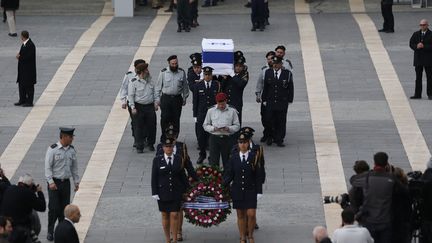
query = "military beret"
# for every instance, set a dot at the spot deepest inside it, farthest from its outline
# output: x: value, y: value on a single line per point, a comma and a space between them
x: 172, y: 57
x: 168, y: 142
x: 67, y: 130
x: 277, y: 59
x: 207, y: 69
x: 221, y: 97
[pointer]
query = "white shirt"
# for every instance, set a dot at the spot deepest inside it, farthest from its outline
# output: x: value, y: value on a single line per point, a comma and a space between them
x: 352, y: 234
x: 278, y: 73
x: 171, y: 156
x: 246, y: 155
x: 25, y: 42
x: 207, y: 84
x: 69, y: 220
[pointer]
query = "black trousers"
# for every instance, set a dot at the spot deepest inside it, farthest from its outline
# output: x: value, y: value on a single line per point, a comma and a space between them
x: 220, y: 146
x: 380, y: 235
x: 276, y: 123
x: 387, y: 13
x: 266, y: 132
x: 203, y: 136
x: 258, y: 13
x: 426, y: 229
x: 418, y: 81
x: 183, y: 13
x: 267, y: 11
x: 194, y: 10
x: 58, y: 199
x: 145, y: 125
x: 171, y: 107
x: 132, y: 120
x: 26, y: 93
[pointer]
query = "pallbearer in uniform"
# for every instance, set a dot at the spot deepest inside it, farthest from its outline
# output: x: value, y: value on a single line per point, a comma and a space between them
x: 171, y: 93
x: 278, y: 92
x: 222, y: 123
x: 124, y: 93
x: 141, y: 98
x: 168, y: 184
x: 204, y: 98
x: 194, y: 71
x: 234, y: 86
x: 258, y: 93
x: 180, y: 149
x: 60, y: 166
x: 246, y: 174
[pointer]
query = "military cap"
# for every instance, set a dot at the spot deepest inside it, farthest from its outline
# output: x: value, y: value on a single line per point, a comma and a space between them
x: 171, y: 131
x: 247, y: 130
x: 196, y: 62
x: 277, y: 59
x: 172, y: 57
x: 168, y: 142
x: 240, y: 60
x: 195, y: 56
x: 238, y: 54
x: 207, y: 69
x: 244, y: 137
x: 221, y: 97
x: 67, y: 130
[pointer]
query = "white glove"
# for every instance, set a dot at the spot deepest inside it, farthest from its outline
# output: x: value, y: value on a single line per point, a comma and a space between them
x: 259, y: 196
x: 195, y: 119
x: 156, y: 197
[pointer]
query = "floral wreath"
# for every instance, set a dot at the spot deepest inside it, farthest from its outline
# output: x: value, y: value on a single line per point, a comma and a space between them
x: 207, y: 201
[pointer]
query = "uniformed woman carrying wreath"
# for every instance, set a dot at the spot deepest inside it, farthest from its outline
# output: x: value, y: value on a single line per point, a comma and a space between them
x: 246, y: 174
x: 168, y: 184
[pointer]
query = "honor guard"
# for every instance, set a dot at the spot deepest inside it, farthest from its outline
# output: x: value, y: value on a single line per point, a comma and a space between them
x: 194, y: 71
x: 259, y: 89
x: 222, y: 123
x: 234, y: 86
x: 204, y: 98
x: 124, y: 93
x: 171, y: 94
x: 60, y: 166
x: 141, y: 97
x: 277, y: 93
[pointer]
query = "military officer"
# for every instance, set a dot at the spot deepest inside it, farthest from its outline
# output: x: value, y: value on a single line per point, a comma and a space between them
x: 180, y: 149
x: 171, y: 93
x: 258, y: 92
x: 168, y: 182
x: 204, y: 98
x: 194, y: 71
x: 234, y: 86
x: 278, y: 92
x: 141, y: 98
x: 245, y: 171
x: 222, y: 123
x: 124, y: 93
x: 60, y: 166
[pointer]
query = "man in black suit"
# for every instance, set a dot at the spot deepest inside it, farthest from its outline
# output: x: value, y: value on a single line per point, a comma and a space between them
x: 26, y: 70
x: 278, y: 92
x: 421, y: 44
x: 65, y: 231
x: 387, y: 13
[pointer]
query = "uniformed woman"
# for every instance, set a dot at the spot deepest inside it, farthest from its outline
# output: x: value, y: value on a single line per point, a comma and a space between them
x: 246, y: 174
x: 180, y: 149
x: 168, y: 184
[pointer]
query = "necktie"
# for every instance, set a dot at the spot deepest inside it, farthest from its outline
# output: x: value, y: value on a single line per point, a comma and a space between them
x: 422, y: 35
x: 276, y: 74
x: 169, y: 161
x: 244, y: 158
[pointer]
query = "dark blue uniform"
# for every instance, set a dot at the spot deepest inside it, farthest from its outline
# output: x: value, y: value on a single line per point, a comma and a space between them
x: 203, y: 99
x: 233, y: 87
x: 258, y: 150
x: 277, y: 93
x: 246, y: 178
x: 169, y: 182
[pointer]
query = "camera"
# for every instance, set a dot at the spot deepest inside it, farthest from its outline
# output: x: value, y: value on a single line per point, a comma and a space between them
x: 342, y: 200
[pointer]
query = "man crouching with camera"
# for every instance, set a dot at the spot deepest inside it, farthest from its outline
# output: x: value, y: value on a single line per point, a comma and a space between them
x: 19, y: 201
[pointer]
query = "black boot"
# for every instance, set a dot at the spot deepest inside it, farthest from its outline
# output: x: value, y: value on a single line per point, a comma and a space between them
x: 254, y: 27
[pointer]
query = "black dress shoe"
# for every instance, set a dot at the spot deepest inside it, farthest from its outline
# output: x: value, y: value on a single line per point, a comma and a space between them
x: 27, y: 105
x: 382, y: 30
x: 151, y: 148
x: 253, y: 29
x: 13, y: 34
x: 50, y: 237
x: 140, y: 151
x: 200, y: 160
x: 256, y: 226
x: 430, y: 97
x: 263, y: 139
x: 248, y: 5
x: 18, y: 104
x: 280, y: 145
x: 389, y: 31
x: 415, y: 97
x: 205, y: 5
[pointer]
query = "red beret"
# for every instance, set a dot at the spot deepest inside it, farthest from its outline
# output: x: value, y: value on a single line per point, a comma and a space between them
x: 221, y: 97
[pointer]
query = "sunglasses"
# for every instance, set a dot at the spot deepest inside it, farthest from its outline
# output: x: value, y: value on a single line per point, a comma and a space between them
x: 422, y: 24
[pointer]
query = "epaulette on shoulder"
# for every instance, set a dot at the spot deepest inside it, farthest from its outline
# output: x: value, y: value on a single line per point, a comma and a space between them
x: 72, y: 146
x: 133, y: 80
x: 129, y: 72
x: 164, y: 69
x: 264, y: 67
x: 181, y: 69
x: 53, y: 145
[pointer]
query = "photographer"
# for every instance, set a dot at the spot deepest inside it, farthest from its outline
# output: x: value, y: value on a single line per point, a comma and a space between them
x: 18, y: 204
x: 356, y: 193
x: 427, y: 210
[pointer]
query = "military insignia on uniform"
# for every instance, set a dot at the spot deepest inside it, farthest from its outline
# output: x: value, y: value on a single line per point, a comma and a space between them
x: 129, y: 72
x: 54, y: 145
x: 133, y: 80
x: 163, y: 70
x: 167, y: 141
x: 242, y: 136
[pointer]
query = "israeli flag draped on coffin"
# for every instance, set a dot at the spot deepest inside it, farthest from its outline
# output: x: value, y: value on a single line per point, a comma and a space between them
x: 218, y: 54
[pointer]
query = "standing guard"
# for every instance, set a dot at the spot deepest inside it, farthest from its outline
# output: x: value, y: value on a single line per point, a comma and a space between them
x: 204, y: 98
x: 171, y: 94
x: 184, y: 20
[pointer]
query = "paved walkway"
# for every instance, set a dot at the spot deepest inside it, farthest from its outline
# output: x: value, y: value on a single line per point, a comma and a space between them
x: 365, y: 113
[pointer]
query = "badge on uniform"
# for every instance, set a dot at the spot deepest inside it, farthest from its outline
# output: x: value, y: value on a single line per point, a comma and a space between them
x: 57, y: 157
x: 201, y: 90
x: 163, y: 167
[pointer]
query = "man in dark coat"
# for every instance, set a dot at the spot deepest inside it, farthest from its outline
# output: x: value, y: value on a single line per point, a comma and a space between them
x: 387, y: 13
x: 421, y: 44
x: 26, y: 70
x: 278, y: 92
x: 65, y: 231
